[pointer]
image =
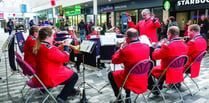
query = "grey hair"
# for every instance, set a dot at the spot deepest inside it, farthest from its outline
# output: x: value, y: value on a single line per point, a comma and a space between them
x: 145, y: 11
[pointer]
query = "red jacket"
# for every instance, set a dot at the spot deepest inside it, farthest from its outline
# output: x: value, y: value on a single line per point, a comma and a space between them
x: 148, y: 28
x: 186, y: 30
x: 29, y: 57
x: 167, y: 53
x: 91, y: 36
x: 196, y: 46
x: 50, y: 67
x: 129, y: 55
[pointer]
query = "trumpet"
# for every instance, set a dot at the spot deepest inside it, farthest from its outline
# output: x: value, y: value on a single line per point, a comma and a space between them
x: 98, y: 28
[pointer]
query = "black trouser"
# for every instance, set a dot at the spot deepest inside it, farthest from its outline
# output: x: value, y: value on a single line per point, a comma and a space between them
x: 151, y: 82
x: 10, y: 32
x: 78, y: 61
x: 69, y: 87
x: 114, y: 86
x: 151, y: 50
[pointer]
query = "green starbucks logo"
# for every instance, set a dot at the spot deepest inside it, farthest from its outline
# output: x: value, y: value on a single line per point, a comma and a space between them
x: 167, y: 5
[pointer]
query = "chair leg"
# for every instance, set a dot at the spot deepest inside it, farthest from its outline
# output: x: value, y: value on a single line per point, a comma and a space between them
x: 156, y: 86
x: 145, y: 98
x: 50, y: 95
x: 26, y: 101
x: 188, y: 88
x: 136, y: 98
x: 181, y: 98
x: 196, y: 86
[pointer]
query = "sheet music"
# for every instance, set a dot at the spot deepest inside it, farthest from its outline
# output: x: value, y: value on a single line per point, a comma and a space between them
x: 110, y: 34
x: 120, y: 40
x: 107, y: 40
x: 117, y: 67
x: 144, y: 39
x: 93, y: 36
x: 87, y: 46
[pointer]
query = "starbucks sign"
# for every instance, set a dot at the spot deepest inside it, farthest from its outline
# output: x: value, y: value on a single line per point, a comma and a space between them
x: 191, y: 2
x: 182, y: 5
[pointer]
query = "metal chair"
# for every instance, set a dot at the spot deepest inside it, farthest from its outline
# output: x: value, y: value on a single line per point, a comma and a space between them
x: 30, y: 71
x: 174, y: 69
x: 195, y: 63
x: 141, y: 68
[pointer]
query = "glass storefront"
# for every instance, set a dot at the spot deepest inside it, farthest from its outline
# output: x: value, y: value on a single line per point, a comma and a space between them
x: 101, y: 19
x: 183, y: 17
x: 75, y: 20
x: 132, y: 13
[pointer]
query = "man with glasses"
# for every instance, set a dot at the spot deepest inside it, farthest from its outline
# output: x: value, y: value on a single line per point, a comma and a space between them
x: 148, y: 26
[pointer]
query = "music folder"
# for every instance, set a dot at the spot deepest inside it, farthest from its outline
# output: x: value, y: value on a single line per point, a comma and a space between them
x: 87, y: 46
x: 107, y: 40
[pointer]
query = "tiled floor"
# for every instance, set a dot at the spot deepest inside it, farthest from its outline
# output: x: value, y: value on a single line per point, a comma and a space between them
x: 98, y: 78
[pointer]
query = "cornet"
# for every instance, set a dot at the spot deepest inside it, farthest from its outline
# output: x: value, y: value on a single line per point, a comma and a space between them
x: 98, y: 28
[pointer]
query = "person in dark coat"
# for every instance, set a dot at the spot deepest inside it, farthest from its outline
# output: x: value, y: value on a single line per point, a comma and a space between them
x: 31, y: 23
x: 203, y: 23
x: 82, y: 27
x: 10, y: 26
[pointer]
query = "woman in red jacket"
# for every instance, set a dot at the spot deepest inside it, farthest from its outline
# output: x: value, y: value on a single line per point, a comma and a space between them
x: 49, y: 64
x: 29, y: 57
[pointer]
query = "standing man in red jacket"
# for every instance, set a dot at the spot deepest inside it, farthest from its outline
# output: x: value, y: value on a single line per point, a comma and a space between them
x: 133, y: 52
x: 148, y: 26
x: 196, y: 45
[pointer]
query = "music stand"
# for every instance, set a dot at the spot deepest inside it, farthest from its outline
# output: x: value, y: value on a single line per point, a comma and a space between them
x: 108, y: 48
x: 86, y: 46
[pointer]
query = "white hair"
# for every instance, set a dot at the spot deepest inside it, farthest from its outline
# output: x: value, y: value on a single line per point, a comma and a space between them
x: 145, y: 11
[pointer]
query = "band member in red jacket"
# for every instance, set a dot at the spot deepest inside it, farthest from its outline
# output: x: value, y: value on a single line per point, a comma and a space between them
x: 29, y: 57
x: 167, y: 52
x: 129, y: 55
x: 148, y: 26
x: 93, y: 34
x: 196, y: 45
x: 49, y: 64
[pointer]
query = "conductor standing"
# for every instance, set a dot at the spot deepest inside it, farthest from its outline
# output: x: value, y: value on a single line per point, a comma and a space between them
x: 148, y: 26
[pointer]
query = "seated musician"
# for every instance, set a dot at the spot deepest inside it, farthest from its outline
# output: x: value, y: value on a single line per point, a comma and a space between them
x: 129, y: 55
x: 196, y: 45
x: 117, y: 31
x: 29, y: 57
x: 94, y: 33
x: 167, y: 51
x: 49, y: 65
x: 76, y: 49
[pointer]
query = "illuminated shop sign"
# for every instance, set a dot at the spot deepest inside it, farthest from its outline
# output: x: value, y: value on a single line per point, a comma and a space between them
x: 106, y: 8
x: 191, y: 2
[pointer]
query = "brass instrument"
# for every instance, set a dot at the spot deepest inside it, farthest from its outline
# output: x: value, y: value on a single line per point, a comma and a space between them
x: 98, y: 28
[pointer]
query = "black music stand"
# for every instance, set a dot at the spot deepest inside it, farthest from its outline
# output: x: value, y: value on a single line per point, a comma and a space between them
x: 86, y: 46
x: 108, y: 48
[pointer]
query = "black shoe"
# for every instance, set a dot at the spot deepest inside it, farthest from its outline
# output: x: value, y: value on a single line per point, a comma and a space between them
x: 60, y: 100
x: 78, y: 70
x: 156, y: 93
x: 75, y: 92
x: 128, y: 100
x: 103, y: 65
x: 178, y: 85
